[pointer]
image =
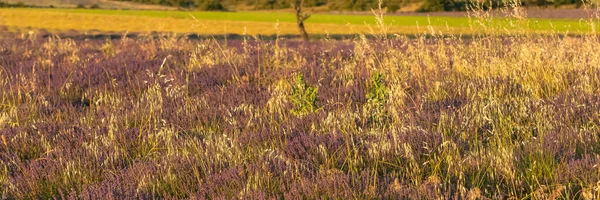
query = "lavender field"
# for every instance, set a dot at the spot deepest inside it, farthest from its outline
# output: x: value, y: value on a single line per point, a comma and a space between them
x: 512, y: 116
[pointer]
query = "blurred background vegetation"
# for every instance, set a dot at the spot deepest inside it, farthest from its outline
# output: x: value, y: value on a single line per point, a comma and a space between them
x: 315, y: 5
x: 346, y: 5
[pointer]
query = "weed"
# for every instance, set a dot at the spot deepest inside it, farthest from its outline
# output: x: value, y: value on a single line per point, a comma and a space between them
x: 303, y: 96
x: 108, y: 49
x: 377, y: 97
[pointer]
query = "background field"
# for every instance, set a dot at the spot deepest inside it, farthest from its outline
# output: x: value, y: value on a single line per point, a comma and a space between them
x: 264, y: 23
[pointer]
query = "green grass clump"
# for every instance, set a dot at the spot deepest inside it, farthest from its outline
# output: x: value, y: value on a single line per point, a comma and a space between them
x: 377, y: 97
x: 303, y: 96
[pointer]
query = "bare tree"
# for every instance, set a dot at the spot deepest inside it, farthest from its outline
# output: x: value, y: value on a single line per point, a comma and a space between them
x: 300, y: 17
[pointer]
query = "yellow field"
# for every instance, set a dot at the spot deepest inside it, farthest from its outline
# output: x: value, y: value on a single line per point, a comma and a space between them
x: 61, y: 21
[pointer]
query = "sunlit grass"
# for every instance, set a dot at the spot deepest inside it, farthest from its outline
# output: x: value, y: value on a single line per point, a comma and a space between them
x: 499, y: 114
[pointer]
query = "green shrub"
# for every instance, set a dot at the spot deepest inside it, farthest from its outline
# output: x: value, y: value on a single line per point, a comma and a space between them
x: 210, y: 5
x: 303, y: 96
x: 377, y: 97
x: 442, y: 5
x: 107, y: 49
x: 392, y: 7
x: 16, y: 5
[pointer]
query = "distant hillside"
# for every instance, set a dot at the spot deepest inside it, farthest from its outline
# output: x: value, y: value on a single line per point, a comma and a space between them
x: 347, y: 5
x: 107, y: 4
x: 236, y: 5
x: 318, y: 5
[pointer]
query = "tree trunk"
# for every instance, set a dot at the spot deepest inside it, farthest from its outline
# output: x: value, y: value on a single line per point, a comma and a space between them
x: 302, y: 30
x: 300, y: 18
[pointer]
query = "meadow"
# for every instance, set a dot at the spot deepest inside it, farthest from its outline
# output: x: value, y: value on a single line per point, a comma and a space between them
x: 259, y: 23
x: 501, y: 116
